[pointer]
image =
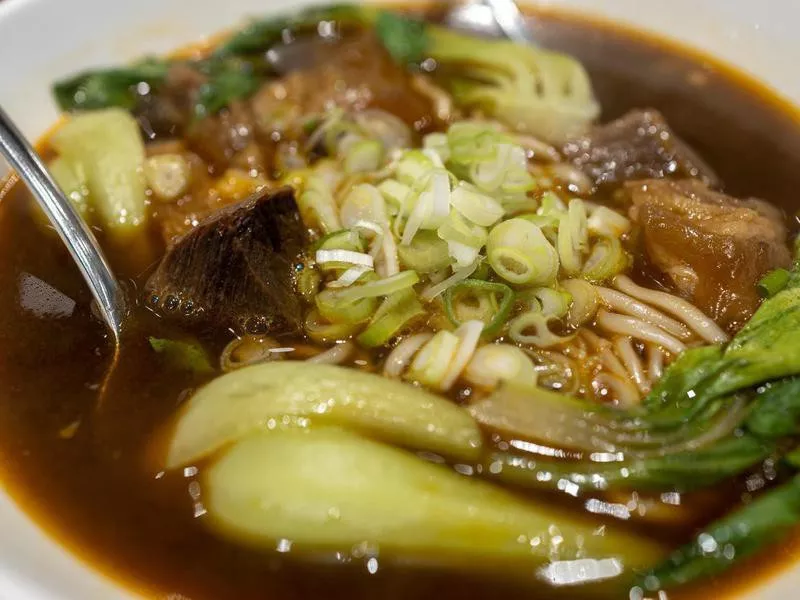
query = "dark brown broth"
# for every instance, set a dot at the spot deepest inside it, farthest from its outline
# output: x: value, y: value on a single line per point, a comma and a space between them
x: 94, y: 491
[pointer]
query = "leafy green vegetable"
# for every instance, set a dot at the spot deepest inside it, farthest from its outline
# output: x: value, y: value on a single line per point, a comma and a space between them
x: 246, y: 400
x: 328, y: 489
x: 736, y: 536
x: 716, y: 412
x: 773, y: 282
x: 183, y: 355
x: 104, y: 88
x: 682, y: 470
x: 405, y: 39
x: 258, y: 36
x: 235, y: 69
x: 228, y: 80
x: 776, y: 411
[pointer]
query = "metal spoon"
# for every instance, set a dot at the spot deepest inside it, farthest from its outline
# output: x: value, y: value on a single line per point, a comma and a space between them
x: 495, y: 18
x: 74, y: 232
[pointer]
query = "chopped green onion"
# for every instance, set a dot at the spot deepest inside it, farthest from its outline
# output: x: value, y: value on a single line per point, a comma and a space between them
x: 462, y: 254
x: 318, y: 206
x: 395, y: 193
x: 437, y: 142
x: 519, y: 253
x: 773, y: 282
x: 385, y: 127
x: 477, y: 207
x: 468, y: 334
x: 436, y: 289
x: 431, y: 363
x: 363, y: 156
x: 168, y: 175
x: 380, y: 287
x: 547, y: 223
x: 392, y: 316
x: 471, y: 142
x: 183, y: 355
x: 344, y: 239
x: 551, y: 205
x: 425, y: 254
x: 339, y: 134
x: 606, y: 260
x: 484, y: 307
x: 364, y: 204
x: 334, y: 306
x: 573, y: 237
x: 349, y: 277
x: 324, y: 332
x: 482, y: 272
x: 494, y: 364
x: 605, y: 222
x: 464, y: 239
x: 585, y: 301
x: 550, y: 302
x: 431, y: 204
x: 414, y: 166
x: 307, y: 281
x: 384, y: 248
x: 542, y: 338
x: 505, y: 171
x: 346, y: 258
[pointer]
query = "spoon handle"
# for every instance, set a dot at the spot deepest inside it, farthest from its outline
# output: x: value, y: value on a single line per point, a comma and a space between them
x: 511, y: 21
x: 70, y: 226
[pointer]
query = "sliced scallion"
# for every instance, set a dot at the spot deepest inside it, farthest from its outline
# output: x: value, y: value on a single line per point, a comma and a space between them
x: 485, y: 301
x: 606, y: 260
x: 392, y: 316
x: 334, y: 306
x: 324, y: 332
x: 431, y: 363
x: 425, y: 254
x: 363, y: 156
x: 475, y: 206
x: 542, y: 336
x: 519, y: 253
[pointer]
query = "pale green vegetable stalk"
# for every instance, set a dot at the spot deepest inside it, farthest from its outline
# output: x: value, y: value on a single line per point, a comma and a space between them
x: 71, y: 178
x: 329, y: 490
x: 108, y: 147
x: 257, y: 397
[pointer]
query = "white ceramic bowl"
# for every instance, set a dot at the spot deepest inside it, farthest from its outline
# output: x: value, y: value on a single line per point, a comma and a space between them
x: 41, y: 40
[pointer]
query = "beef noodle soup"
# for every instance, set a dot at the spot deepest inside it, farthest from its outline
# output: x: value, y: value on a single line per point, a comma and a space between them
x: 414, y: 314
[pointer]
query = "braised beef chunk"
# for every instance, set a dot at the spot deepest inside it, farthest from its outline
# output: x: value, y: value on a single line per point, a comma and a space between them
x: 222, y: 138
x: 713, y: 247
x: 639, y: 145
x: 353, y: 74
x: 236, y: 268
